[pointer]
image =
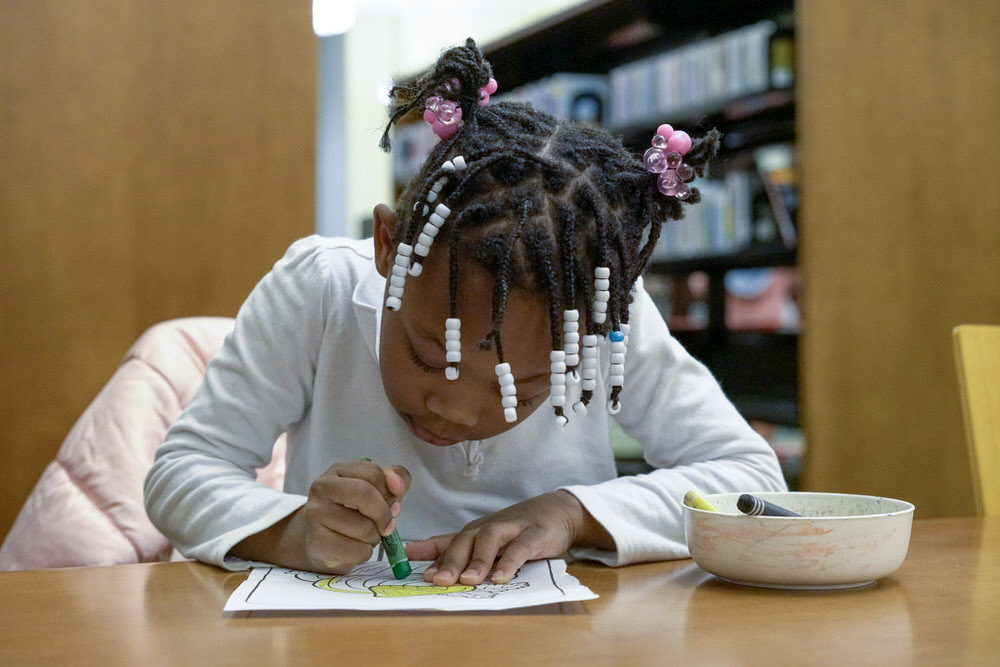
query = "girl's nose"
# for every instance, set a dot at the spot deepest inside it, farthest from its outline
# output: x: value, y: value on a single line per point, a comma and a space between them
x: 453, y: 410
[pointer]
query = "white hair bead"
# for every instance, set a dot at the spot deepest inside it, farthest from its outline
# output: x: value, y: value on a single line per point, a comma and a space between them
x: 432, y: 197
x: 422, y: 249
x: 571, y: 337
x: 439, y: 183
x: 431, y: 230
x: 580, y: 408
x: 599, y: 317
x: 602, y: 284
x: 448, y: 166
x: 402, y: 261
x: 453, y: 346
x: 435, y: 219
x: 617, y: 380
x: 602, y: 272
x: 404, y: 249
x: 557, y: 367
x: 557, y: 355
x: 588, y: 384
x: 561, y: 421
x: 618, y: 357
x: 557, y: 380
x: 393, y: 303
x: 614, y: 407
x: 424, y: 212
x: 396, y: 291
x: 416, y: 268
x: 603, y: 295
x: 508, y: 401
x: 507, y: 388
x: 459, y: 162
x: 442, y: 210
x: 559, y: 388
x: 557, y: 400
x: 600, y: 307
x: 571, y: 315
x: 425, y: 240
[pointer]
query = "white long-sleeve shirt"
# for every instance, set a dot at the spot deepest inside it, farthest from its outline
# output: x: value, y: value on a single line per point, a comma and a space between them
x: 303, y: 359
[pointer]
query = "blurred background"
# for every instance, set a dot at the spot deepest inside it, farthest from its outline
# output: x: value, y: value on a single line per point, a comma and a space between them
x: 156, y: 158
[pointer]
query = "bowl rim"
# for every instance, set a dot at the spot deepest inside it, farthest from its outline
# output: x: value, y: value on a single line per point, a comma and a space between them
x: 908, y: 509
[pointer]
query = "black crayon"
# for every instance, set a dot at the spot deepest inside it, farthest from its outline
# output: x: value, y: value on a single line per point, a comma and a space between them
x: 754, y: 506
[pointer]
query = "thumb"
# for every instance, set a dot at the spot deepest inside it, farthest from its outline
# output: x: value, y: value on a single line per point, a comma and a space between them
x: 397, y: 480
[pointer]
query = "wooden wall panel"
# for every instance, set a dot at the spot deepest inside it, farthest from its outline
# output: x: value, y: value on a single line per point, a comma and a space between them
x: 156, y: 158
x: 899, y: 127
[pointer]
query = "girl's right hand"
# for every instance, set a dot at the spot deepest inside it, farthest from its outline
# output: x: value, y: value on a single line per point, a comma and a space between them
x: 350, y: 508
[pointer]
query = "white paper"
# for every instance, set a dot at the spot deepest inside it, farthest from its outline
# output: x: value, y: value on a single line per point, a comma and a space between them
x: 372, y: 586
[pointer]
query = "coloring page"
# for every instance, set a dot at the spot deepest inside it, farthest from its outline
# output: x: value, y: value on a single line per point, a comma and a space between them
x: 372, y: 586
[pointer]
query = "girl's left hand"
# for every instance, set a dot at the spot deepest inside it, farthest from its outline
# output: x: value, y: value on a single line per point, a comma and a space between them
x: 541, y: 527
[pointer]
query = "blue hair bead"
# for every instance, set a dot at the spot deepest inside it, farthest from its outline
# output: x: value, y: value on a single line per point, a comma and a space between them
x: 617, y: 336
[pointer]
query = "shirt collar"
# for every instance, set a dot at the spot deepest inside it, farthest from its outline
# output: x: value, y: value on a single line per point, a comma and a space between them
x: 367, y: 303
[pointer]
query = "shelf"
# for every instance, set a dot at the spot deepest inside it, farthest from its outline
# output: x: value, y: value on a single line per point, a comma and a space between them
x: 773, y: 254
x: 754, y: 120
x: 597, y: 36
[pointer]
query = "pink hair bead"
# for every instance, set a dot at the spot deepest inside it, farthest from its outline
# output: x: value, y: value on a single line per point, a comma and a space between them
x: 491, y: 86
x: 679, y: 142
x: 655, y: 160
x: 665, y: 130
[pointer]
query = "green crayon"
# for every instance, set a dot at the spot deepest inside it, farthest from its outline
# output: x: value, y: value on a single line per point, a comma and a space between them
x: 395, y: 552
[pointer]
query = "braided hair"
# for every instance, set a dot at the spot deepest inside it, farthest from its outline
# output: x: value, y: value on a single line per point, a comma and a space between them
x: 541, y: 204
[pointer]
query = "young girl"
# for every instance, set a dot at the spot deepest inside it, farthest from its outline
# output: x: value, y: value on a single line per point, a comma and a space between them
x: 475, y: 349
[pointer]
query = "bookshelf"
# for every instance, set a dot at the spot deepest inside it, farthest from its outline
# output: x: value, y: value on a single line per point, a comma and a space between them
x: 696, y: 64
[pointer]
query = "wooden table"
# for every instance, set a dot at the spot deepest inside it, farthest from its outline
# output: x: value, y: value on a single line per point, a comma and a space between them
x: 941, y: 607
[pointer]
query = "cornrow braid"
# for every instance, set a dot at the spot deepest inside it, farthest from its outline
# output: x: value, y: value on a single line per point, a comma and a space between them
x: 555, y: 208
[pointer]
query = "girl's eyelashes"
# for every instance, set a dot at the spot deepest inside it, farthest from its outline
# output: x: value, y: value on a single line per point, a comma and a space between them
x: 418, y: 362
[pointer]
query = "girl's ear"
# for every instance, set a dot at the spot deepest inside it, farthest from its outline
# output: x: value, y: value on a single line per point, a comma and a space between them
x: 385, y: 223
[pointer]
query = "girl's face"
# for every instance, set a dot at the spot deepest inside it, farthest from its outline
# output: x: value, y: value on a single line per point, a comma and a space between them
x: 412, y: 352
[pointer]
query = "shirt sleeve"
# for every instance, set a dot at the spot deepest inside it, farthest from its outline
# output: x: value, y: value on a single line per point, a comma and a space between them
x: 201, y: 491
x: 690, y: 432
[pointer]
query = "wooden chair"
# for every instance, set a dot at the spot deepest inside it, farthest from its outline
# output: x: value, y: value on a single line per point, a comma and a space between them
x: 977, y: 357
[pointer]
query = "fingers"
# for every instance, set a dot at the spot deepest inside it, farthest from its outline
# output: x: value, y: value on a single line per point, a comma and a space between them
x: 349, y: 508
x: 490, y: 541
x: 447, y: 568
x: 397, y: 480
x: 337, y: 495
x: 523, y: 548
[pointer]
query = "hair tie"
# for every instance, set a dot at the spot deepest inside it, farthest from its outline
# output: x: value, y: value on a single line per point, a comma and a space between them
x: 445, y: 115
x: 666, y: 159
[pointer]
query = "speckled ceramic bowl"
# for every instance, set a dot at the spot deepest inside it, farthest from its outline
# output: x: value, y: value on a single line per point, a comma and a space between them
x: 840, y: 541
